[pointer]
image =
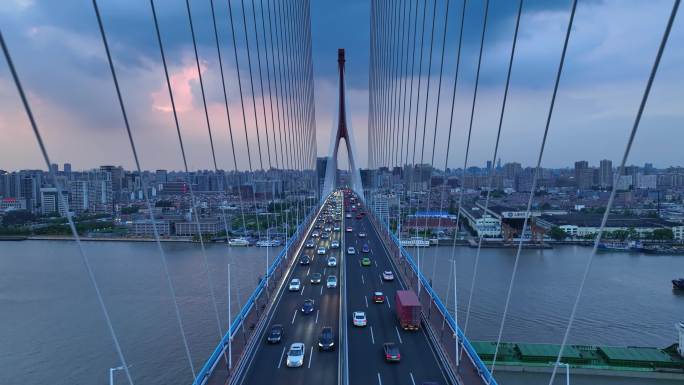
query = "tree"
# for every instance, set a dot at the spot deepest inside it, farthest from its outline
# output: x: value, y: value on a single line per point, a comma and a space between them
x: 18, y: 217
x: 557, y: 233
x: 662, y: 235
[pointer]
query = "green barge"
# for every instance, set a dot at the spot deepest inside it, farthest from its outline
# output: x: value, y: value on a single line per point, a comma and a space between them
x: 630, y: 361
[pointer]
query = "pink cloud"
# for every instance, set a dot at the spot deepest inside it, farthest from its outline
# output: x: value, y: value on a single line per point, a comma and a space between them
x: 181, y: 84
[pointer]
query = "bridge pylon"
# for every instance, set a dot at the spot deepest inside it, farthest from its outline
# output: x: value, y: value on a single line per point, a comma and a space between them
x: 341, y: 131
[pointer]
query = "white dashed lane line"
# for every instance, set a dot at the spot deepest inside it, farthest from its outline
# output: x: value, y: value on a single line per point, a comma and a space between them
x: 294, y: 316
x: 398, y: 335
x: 281, y: 357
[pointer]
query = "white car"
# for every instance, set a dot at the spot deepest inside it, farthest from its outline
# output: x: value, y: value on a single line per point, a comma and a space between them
x: 348, y: 216
x: 320, y: 251
x: 332, y: 262
x: 359, y: 319
x: 362, y: 235
x: 335, y: 244
x: 315, y: 234
x: 336, y: 228
x: 349, y: 229
x: 351, y: 250
x: 295, y: 285
x: 295, y: 356
x: 387, y: 275
x: 310, y: 244
x: 331, y: 282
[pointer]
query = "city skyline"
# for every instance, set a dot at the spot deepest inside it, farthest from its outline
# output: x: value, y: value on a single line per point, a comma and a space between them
x: 597, y: 100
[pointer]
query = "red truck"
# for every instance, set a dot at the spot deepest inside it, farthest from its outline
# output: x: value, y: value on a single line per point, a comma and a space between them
x: 408, y: 309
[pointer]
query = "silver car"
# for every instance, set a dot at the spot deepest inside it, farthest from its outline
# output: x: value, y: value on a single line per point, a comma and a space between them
x: 295, y: 356
x: 331, y: 282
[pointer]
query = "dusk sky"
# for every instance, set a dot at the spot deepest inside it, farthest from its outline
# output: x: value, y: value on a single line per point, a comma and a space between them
x: 59, y: 56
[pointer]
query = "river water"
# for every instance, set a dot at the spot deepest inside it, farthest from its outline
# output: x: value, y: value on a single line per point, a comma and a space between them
x: 52, y: 329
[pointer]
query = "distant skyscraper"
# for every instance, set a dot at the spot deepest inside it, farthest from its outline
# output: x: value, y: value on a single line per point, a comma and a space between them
x: 489, y: 165
x: 584, y: 176
x: 54, y: 168
x: 605, y: 176
x: 648, y: 168
x: 67, y: 168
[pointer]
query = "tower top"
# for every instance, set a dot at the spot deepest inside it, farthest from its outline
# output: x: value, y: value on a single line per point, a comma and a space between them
x: 340, y: 56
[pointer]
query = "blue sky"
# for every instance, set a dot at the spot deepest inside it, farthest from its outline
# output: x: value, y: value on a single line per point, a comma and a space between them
x: 59, y: 55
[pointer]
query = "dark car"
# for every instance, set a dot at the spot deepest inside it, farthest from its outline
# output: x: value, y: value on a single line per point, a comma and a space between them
x: 275, y: 334
x: 378, y: 297
x: 326, y: 341
x: 316, y: 278
x: 308, y: 306
x: 365, y: 248
x: 304, y: 260
x: 391, y: 352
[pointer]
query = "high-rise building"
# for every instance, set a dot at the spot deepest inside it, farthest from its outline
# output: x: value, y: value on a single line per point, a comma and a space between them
x: 54, y: 168
x: 161, y: 176
x: 584, y: 176
x: 605, y: 175
x: 49, y: 201
x: 67, y: 169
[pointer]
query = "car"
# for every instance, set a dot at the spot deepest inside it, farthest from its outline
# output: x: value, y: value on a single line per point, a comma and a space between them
x: 327, y: 229
x: 351, y: 250
x: 321, y: 251
x: 326, y: 341
x: 359, y: 216
x: 365, y: 261
x: 387, y: 275
x: 378, y: 297
x: 335, y: 244
x: 336, y: 228
x: 349, y: 229
x: 304, y: 260
x: 362, y: 235
x: 332, y: 261
x: 359, y: 319
x: 275, y: 334
x: 348, y: 216
x: 325, y: 236
x: 308, y: 306
x: 310, y: 244
x: 331, y: 282
x: 316, y: 278
x: 316, y: 234
x: 391, y: 351
x: 365, y: 248
x: 295, y: 285
x: 295, y: 356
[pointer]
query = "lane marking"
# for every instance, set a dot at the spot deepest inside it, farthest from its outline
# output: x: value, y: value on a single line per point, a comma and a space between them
x: 324, y: 270
x: 398, y: 335
x: 294, y: 316
x: 365, y: 297
x: 387, y: 302
x: 308, y: 271
x: 281, y: 357
x: 311, y: 356
x: 363, y: 279
x: 302, y: 292
x: 372, y: 336
x: 413, y: 381
x: 379, y: 380
x: 376, y: 263
x: 317, y: 315
x: 321, y: 290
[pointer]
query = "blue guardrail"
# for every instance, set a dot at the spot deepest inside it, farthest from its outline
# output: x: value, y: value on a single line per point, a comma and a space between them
x: 204, y: 374
x: 486, y: 374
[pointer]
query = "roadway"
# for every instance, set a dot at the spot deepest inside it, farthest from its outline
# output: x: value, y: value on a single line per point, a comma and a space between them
x: 367, y: 365
x: 267, y: 364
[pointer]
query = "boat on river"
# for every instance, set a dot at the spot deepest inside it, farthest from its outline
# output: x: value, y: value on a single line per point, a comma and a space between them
x: 238, y: 242
x: 415, y: 242
x: 269, y: 243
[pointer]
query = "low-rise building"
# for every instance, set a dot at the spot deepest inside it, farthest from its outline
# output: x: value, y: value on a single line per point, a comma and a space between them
x: 207, y: 227
x: 145, y: 227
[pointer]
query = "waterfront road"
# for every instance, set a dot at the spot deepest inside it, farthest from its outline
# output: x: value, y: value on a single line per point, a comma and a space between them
x: 367, y: 365
x: 268, y: 363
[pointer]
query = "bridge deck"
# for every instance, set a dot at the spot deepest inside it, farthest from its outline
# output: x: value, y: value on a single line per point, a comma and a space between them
x: 421, y: 361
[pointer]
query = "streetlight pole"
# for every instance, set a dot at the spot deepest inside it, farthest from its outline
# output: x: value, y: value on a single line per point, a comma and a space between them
x: 567, y: 372
x: 230, y: 324
x: 111, y: 373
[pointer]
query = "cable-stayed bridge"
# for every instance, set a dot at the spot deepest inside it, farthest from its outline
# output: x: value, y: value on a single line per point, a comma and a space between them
x: 276, y: 101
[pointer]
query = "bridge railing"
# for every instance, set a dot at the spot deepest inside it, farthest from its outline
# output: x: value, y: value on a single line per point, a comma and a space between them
x: 250, y: 314
x: 439, y: 319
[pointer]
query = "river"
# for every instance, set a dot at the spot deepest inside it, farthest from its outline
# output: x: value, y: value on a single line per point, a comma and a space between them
x: 52, y: 329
